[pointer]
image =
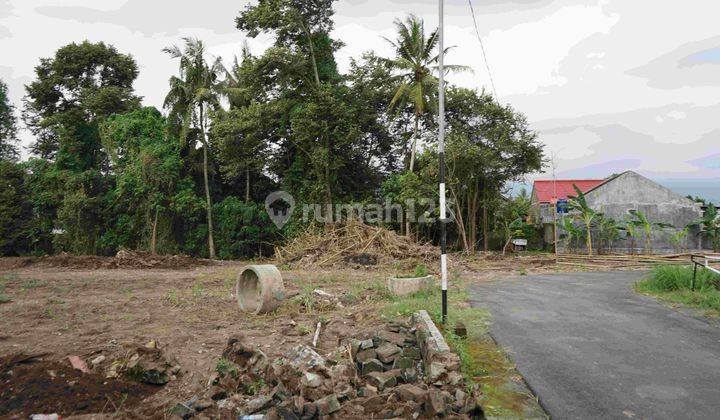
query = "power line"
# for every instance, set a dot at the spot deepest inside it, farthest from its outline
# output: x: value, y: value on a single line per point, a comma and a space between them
x: 482, y: 48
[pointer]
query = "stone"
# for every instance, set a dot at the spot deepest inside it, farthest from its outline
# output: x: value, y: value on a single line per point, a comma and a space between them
x: 78, y: 364
x: 454, y: 378
x: 328, y: 405
x: 460, y: 397
x: 460, y: 329
x: 382, y: 380
x: 402, y: 363
x: 365, y: 355
x: 213, y: 379
x: 368, y: 391
x: 410, y: 392
x: 391, y: 337
x: 257, y: 404
x: 367, y: 344
x: 180, y: 410
x: 311, y: 380
x: 435, y: 403
x: 411, y: 352
x: 284, y: 413
x: 309, y: 411
x: 372, y: 365
x: 410, y: 375
x: 386, y: 352
x: 96, y: 361
x: 303, y: 358
x: 436, y: 371
x: 408, y: 286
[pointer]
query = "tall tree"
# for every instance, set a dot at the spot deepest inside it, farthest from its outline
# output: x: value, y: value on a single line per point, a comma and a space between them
x: 193, y: 95
x: 488, y: 145
x: 8, y: 126
x: 74, y: 91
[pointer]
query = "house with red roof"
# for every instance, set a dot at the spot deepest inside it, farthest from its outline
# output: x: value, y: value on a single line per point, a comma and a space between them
x: 614, y: 197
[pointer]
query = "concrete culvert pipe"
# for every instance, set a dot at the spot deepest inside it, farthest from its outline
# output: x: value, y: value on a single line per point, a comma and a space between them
x: 259, y: 289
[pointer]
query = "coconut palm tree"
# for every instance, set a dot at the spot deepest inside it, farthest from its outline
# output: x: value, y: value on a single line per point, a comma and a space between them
x: 191, y: 96
x: 416, y: 62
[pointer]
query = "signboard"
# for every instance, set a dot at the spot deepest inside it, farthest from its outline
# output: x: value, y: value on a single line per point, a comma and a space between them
x: 519, y: 242
x: 562, y: 206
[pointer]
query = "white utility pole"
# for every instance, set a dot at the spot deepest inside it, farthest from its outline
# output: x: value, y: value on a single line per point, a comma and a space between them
x: 441, y: 156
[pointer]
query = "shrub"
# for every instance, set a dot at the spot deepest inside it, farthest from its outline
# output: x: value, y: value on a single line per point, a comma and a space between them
x: 669, y: 278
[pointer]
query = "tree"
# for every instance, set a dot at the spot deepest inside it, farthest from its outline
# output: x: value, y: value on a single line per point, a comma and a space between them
x: 304, y: 25
x: 488, y: 145
x: 510, y: 221
x: 192, y: 96
x: 571, y: 233
x: 15, y: 210
x: 641, y: 221
x: 148, y: 166
x: 8, y: 126
x: 584, y: 213
x: 74, y: 92
x: 709, y: 225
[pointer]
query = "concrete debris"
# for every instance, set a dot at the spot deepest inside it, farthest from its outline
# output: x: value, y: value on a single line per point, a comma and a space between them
x: 388, y: 375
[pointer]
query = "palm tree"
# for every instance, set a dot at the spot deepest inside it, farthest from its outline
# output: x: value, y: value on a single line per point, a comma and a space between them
x: 416, y: 61
x: 585, y: 213
x: 191, y: 96
x: 572, y: 233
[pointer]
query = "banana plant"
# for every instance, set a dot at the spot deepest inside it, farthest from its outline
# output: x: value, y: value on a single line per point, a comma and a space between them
x: 609, y: 230
x: 641, y: 221
x: 584, y: 213
x: 571, y: 234
x: 709, y: 224
x: 678, y: 239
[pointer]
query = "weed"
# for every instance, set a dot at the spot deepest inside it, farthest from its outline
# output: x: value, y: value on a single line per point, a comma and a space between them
x: 302, y: 329
x: 50, y: 313
x: 172, y: 298
x: 4, y: 299
x: 198, y: 290
x: 128, y: 292
x: 255, y: 387
x: 32, y: 284
x: 127, y: 317
x: 226, y: 367
x: 523, y: 271
x: 673, y: 284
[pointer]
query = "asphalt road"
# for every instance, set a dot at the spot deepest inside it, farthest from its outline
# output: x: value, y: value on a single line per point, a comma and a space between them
x: 591, y: 348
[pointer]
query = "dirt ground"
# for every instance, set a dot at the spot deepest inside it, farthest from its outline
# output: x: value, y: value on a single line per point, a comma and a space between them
x: 60, y: 310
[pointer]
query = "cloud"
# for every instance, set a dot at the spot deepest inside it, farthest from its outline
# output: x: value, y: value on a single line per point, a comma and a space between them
x: 150, y: 17
x: 694, y: 64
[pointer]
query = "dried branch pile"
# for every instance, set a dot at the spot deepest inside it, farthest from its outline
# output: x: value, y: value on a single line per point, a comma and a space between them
x: 353, y: 243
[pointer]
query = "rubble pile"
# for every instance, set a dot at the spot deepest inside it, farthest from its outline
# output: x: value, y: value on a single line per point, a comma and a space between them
x: 396, y: 373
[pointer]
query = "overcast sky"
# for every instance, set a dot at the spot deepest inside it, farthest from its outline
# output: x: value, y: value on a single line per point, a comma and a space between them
x: 610, y: 85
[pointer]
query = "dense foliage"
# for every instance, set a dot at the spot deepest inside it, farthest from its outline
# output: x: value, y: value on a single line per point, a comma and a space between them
x: 107, y: 173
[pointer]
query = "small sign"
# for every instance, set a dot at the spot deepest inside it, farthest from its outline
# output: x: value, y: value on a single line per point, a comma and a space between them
x: 519, y: 242
x: 562, y: 206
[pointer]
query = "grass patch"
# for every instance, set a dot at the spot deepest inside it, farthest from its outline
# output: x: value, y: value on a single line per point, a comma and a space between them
x: 673, y: 284
x: 3, y: 297
x: 482, y: 362
x: 32, y: 284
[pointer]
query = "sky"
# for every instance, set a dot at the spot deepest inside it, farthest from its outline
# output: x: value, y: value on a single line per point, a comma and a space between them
x: 609, y: 85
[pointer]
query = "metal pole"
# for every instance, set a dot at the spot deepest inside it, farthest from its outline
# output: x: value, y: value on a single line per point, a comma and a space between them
x: 441, y: 157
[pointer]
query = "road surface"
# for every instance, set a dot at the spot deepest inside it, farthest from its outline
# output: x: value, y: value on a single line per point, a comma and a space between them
x: 590, y: 347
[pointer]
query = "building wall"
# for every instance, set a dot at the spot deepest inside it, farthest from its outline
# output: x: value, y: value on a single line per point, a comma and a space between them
x: 631, y: 191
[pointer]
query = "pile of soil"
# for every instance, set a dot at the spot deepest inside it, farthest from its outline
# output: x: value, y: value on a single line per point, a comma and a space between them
x: 123, y: 259
x: 30, y: 385
x: 354, y: 243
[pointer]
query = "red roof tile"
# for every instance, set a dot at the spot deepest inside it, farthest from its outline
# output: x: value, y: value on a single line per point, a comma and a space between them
x: 545, y: 190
